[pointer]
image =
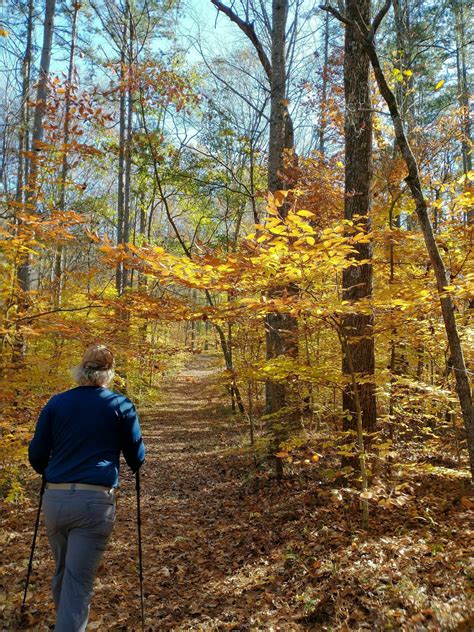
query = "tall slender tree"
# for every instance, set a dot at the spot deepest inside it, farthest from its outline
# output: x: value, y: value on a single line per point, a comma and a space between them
x: 24, y: 273
x: 281, y: 329
x: 462, y: 43
x: 59, y: 254
x: 23, y: 132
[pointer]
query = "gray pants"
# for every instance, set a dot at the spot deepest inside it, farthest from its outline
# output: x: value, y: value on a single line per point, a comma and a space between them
x: 78, y: 524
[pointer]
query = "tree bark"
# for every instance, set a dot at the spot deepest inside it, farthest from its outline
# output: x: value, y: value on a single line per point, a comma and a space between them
x: 357, y: 280
x: 122, y: 151
x: 463, y: 94
x: 24, y: 272
x: 323, y: 106
x: 281, y: 329
x: 58, y: 262
x: 24, y: 116
x: 413, y: 180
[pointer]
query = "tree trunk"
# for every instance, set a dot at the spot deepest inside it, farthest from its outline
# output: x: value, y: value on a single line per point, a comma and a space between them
x: 24, y: 273
x: 121, y: 157
x: 142, y: 279
x: 24, y: 116
x: 281, y: 329
x: 278, y: 109
x: 463, y: 94
x: 463, y: 388
x: 58, y: 263
x: 357, y: 280
x: 128, y: 145
x: 125, y: 140
x: 404, y: 39
x: 323, y: 106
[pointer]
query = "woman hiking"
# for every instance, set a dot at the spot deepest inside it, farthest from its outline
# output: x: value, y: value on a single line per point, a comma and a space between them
x: 76, y: 447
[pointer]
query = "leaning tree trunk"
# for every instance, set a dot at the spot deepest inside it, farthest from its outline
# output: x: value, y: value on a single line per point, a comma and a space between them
x: 463, y: 388
x: 357, y: 280
x: 413, y: 180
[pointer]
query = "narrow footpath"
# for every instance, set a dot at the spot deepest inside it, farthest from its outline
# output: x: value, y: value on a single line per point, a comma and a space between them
x: 226, y: 549
x: 197, y: 543
x: 205, y: 548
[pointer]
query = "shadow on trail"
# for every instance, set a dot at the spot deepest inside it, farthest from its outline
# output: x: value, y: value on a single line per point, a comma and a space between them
x: 205, y: 542
x: 225, y: 556
x: 226, y: 551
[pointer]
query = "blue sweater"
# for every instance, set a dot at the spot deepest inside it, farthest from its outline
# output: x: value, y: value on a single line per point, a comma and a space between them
x: 80, y: 434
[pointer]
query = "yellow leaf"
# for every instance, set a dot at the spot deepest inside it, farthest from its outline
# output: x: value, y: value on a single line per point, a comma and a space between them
x: 439, y: 85
x: 3, y: 33
x: 281, y: 455
x: 339, y: 164
x: 279, y: 197
x: 304, y: 213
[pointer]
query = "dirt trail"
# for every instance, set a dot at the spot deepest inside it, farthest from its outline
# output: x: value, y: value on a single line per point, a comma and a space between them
x: 227, y: 550
x: 204, y: 548
x: 200, y: 551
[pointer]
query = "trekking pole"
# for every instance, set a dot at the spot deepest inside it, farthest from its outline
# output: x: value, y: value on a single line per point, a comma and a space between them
x: 140, y: 560
x: 30, y: 563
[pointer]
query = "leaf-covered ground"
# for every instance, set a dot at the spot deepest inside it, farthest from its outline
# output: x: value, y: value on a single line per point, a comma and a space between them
x: 226, y: 548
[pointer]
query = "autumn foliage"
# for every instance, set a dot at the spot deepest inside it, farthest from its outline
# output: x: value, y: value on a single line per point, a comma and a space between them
x: 143, y: 220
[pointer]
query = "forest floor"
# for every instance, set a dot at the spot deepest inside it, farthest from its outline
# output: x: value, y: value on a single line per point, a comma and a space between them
x: 228, y: 548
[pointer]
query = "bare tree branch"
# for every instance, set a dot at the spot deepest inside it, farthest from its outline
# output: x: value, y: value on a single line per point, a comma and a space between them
x: 249, y: 30
x: 378, y: 18
x: 335, y: 13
